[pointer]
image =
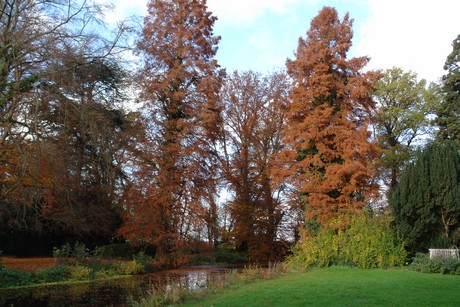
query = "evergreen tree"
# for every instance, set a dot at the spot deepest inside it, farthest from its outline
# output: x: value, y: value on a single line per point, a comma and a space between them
x: 449, y: 110
x: 426, y: 200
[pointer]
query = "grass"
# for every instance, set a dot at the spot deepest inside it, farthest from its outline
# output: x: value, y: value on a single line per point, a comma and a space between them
x: 339, y: 286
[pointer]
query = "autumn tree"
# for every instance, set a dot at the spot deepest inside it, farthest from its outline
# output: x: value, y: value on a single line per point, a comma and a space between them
x: 327, y: 156
x: 401, y: 118
x: 448, y: 111
x: 52, y: 63
x: 173, y: 192
x: 253, y: 119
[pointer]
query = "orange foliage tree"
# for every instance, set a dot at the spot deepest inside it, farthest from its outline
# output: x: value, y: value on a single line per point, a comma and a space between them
x: 253, y: 120
x: 172, y: 196
x: 327, y: 154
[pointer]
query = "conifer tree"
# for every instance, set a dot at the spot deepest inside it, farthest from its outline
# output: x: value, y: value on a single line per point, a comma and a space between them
x: 425, y: 202
x: 180, y: 80
x: 449, y: 110
x: 327, y: 154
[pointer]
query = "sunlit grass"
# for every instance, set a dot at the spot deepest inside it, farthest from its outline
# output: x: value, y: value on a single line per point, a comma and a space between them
x: 338, y: 286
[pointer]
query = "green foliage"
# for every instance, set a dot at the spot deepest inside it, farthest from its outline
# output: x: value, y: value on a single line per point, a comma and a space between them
x: 142, y: 258
x: 448, y: 111
x: 80, y: 273
x: 366, y: 242
x: 11, y: 278
x: 443, y: 265
x: 54, y: 274
x: 425, y: 201
x: 226, y: 253
x: 402, y: 115
x: 130, y: 268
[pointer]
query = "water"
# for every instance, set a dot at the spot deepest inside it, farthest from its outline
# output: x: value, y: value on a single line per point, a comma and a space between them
x: 116, y: 292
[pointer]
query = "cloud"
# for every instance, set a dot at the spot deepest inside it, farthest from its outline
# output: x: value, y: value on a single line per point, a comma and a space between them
x: 123, y: 9
x: 242, y: 12
x: 414, y: 35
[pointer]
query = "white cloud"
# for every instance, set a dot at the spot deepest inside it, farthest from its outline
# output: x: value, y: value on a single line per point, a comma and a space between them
x: 414, y: 35
x: 238, y: 12
x: 123, y: 9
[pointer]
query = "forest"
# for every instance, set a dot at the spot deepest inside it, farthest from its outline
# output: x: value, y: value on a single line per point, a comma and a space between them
x: 134, y: 135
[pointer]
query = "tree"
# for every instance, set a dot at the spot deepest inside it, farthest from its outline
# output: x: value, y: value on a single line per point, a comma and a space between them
x: 400, y: 118
x: 180, y: 82
x: 60, y: 82
x: 327, y: 158
x: 448, y: 111
x: 253, y: 120
x: 425, y: 201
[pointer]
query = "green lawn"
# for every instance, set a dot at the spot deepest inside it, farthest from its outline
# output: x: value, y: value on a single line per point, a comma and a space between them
x: 339, y: 286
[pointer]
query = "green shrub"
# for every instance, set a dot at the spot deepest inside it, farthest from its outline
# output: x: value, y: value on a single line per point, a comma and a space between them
x: 54, y: 274
x: 11, y: 278
x: 443, y: 265
x: 365, y: 242
x: 142, y: 258
x: 130, y: 268
x: 80, y: 273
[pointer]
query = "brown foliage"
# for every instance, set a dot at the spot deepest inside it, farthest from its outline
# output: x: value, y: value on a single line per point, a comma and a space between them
x: 253, y: 120
x: 327, y: 155
x: 173, y: 196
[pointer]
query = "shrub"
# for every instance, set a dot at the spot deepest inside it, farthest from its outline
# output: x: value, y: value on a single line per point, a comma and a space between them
x: 54, y: 274
x: 443, y: 265
x: 66, y: 254
x: 11, y: 278
x: 142, y: 258
x: 80, y: 273
x: 131, y: 268
x: 365, y: 242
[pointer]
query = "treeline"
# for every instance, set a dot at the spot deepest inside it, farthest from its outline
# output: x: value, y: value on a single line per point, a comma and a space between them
x: 207, y: 160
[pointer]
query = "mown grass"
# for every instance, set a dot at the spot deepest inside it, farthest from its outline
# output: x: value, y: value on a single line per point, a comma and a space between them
x: 340, y: 286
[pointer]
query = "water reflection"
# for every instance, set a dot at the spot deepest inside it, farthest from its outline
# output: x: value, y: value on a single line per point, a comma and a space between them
x: 118, y: 292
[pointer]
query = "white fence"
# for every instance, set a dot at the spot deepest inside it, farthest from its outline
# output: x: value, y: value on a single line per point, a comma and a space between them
x: 446, y: 253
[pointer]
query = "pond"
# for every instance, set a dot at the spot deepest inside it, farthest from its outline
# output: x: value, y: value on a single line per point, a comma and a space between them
x: 116, y: 292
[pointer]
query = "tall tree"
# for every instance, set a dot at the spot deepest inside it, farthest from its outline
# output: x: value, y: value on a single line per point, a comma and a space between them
x: 181, y: 81
x: 253, y: 119
x: 400, y: 118
x: 327, y: 154
x: 51, y: 61
x: 449, y: 110
x: 425, y: 201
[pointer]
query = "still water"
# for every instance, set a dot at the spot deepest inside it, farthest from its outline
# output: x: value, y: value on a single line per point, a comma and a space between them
x: 118, y: 292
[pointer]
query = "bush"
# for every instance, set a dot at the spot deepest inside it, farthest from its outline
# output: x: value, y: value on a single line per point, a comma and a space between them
x: 80, y: 273
x: 66, y: 254
x: 365, y: 242
x: 54, y: 274
x: 142, y: 258
x: 12, y: 278
x: 130, y: 268
x: 443, y: 265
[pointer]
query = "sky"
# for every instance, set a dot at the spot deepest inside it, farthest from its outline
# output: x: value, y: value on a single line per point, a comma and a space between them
x: 260, y: 35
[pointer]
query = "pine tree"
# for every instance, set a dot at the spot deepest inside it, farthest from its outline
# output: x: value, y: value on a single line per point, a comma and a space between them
x: 327, y: 154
